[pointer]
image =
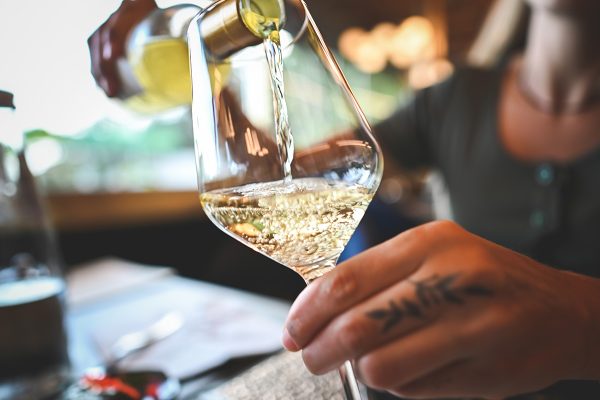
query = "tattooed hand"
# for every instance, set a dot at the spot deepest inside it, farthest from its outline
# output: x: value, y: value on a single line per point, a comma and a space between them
x: 439, y: 312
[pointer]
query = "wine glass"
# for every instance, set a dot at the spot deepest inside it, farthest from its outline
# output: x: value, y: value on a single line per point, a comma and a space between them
x: 34, y: 361
x: 286, y: 160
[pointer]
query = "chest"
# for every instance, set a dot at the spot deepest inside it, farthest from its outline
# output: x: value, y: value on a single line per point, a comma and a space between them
x: 531, y: 135
x: 546, y: 210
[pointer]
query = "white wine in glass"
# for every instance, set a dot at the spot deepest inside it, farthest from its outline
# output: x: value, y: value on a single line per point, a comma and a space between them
x: 286, y: 160
x: 303, y: 224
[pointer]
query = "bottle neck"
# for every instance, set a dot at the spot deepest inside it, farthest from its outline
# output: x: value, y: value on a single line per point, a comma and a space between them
x: 11, y: 135
x: 224, y: 31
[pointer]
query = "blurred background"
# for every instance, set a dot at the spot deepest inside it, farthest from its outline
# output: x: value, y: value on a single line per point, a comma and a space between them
x: 122, y: 183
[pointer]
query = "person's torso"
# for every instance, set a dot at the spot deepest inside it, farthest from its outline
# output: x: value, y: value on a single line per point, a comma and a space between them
x: 549, y: 212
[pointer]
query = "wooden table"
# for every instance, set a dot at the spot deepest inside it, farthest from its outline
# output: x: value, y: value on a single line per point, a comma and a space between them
x: 82, y: 211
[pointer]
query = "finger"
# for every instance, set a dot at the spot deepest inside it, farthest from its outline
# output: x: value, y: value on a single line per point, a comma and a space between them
x: 100, y: 66
x: 350, y: 283
x: 112, y: 49
x: 94, y: 46
x: 356, y: 332
x: 464, y: 378
x: 412, y: 357
x: 419, y: 301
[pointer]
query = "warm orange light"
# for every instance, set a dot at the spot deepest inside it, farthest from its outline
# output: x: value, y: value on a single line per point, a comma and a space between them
x: 369, y: 58
x: 349, y: 40
x: 427, y: 73
x: 382, y: 34
x: 413, y: 41
x: 363, y: 50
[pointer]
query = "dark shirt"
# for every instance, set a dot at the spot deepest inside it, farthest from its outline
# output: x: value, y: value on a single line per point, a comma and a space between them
x: 547, y: 211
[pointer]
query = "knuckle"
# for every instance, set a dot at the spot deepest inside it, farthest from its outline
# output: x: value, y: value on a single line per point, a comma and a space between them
x: 310, y: 362
x: 444, y: 227
x: 372, y: 372
x: 433, y: 231
x: 341, y: 286
x: 411, y: 236
x: 480, y: 274
x: 352, y: 335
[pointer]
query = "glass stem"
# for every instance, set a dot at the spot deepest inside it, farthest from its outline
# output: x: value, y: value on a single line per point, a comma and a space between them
x: 349, y: 382
x: 351, y: 390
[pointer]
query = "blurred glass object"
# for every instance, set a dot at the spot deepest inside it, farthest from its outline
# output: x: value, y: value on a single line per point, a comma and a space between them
x: 156, y: 74
x: 34, y: 362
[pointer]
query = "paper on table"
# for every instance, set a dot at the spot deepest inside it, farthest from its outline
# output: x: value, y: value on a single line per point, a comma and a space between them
x: 92, y: 281
x: 216, y: 328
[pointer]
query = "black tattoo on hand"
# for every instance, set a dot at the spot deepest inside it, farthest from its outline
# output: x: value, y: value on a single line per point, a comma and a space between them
x: 429, y: 292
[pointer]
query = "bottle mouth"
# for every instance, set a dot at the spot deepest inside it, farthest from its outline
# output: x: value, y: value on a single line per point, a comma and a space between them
x: 226, y: 33
x: 262, y: 17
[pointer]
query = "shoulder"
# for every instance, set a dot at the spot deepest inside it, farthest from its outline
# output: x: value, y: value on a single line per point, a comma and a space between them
x: 466, y: 81
x: 468, y: 91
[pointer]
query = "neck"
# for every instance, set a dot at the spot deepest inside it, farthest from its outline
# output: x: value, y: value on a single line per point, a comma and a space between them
x: 561, y: 65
